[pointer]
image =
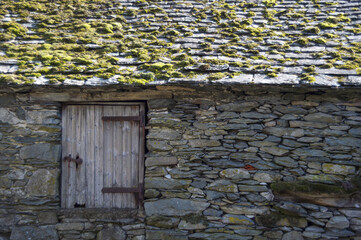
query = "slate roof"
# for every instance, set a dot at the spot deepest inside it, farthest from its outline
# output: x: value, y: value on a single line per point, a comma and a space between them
x: 96, y: 42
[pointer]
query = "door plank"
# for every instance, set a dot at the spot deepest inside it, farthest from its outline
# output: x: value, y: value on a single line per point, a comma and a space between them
x: 98, y: 156
x: 108, y: 157
x: 89, y: 160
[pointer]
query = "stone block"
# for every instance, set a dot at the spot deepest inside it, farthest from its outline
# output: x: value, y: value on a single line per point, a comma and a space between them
x: 43, y: 182
x: 223, y: 186
x: 8, y: 117
x: 41, y: 151
x: 286, y: 162
x: 339, y: 222
x: 338, y: 169
x: 163, y: 134
x: 236, y: 219
x: 163, y: 221
x: 160, y: 161
x: 165, y: 183
x: 245, y: 210
x: 277, y: 151
x: 204, y: 143
x: 112, y: 233
x: 293, y: 235
x: 237, y: 107
x: 323, y: 117
x: 267, y: 177
x: 174, y: 207
x: 34, y: 233
x: 155, y: 145
x: 280, y: 132
x: 70, y: 226
x: 235, y: 173
x: 166, y: 235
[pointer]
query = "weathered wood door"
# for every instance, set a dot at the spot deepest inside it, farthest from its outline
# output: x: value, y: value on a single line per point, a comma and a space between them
x: 102, y: 155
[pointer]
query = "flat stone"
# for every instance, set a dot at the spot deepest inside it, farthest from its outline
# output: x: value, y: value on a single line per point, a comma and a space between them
x: 267, y: 177
x: 273, y: 234
x: 112, y: 233
x: 8, y: 117
x: 43, y: 182
x: 204, y: 143
x: 323, y: 117
x: 160, y: 161
x: 41, y: 151
x: 186, y: 225
x: 351, y: 213
x: 343, y: 141
x: 163, y: 221
x: 286, y: 162
x: 174, y: 207
x: 303, y: 124
x: 243, y: 210
x: 34, y: 233
x: 257, y: 115
x: 236, y: 219
x: 280, y: 132
x: 339, y: 222
x: 166, y: 235
x: 155, y: 145
x: 277, y: 151
x: 248, y: 232
x: 216, y: 236
x: 309, y: 139
x: 235, y: 173
x: 291, y: 110
x: 223, y: 186
x: 70, y: 226
x: 160, y: 103
x: 355, y: 132
x: 165, y: 183
x: 338, y: 169
x: 163, y: 134
x: 338, y: 233
x: 237, y: 106
x: 292, y: 236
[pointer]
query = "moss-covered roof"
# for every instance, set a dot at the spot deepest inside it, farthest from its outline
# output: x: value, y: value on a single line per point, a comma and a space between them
x: 91, y: 42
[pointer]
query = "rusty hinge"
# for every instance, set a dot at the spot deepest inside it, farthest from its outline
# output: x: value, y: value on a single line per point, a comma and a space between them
x: 137, y: 191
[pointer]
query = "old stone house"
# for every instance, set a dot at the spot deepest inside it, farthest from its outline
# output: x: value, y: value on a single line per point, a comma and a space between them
x: 180, y: 119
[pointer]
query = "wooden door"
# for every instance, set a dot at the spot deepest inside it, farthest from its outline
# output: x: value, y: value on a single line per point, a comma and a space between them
x: 102, y: 155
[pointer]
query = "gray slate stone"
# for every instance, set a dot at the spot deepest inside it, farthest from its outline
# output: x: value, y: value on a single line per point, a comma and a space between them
x: 160, y: 161
x: 286, y: 162
x: 339, y: 222
x: 280, y: 132
x: 34, y: 233
x: 323, y: 117
x: 204, y: 143
x: 163, y: 134
x: 174, y: 207
x: 293, y: 236
x: 112, y: 233
x: 8, y: 117
x: 355, y: 132
x: 158, y: 145
x: 237, y: 106
x: 223, y: 186
x: 166, y: 235
x: 235, y: 173
x: 216, y: 236
x: 41, y: 151
x: 344, y: 141
x: 236, y: 219
x: 165, y: 183
x: 43, y: 182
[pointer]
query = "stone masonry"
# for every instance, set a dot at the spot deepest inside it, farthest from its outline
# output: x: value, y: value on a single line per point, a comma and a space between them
x: 214, y: 156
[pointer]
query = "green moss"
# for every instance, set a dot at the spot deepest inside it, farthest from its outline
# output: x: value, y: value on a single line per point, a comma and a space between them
x: 327, y: 65
x: 303, y: 41
x: 216, y: 76
x: 320, y: 40
x: 306, y: 187
x: 348, y: 65
x: 269, y: 3
x: 314, y: 30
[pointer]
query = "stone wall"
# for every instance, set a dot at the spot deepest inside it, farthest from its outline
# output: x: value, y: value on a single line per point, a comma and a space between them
x: 222, y: 163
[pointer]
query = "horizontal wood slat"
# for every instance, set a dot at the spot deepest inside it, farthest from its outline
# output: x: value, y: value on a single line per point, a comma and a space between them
x: 120, y: 190
x: 121, y: 118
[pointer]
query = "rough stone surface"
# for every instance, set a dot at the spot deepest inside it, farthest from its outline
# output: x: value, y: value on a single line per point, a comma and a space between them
x: 174, y: 207
x: 293, y: 235
x: 31, y: 233
x: 339, y: 222
x: 43, y: 182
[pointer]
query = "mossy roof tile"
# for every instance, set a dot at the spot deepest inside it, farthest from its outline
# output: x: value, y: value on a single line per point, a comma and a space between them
x: 101, y: 42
